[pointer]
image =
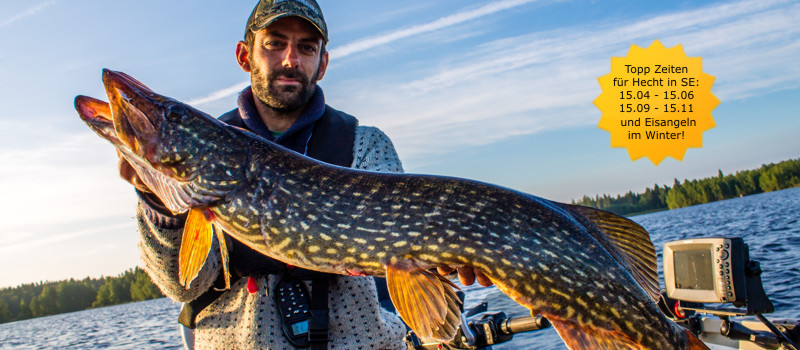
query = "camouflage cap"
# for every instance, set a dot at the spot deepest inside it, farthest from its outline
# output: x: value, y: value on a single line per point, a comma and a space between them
x: 267, y: 11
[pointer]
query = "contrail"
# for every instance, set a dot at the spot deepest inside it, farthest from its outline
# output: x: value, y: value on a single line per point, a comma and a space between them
x: 440, y: 23
x: 219, y: 94
x: 29, y: 12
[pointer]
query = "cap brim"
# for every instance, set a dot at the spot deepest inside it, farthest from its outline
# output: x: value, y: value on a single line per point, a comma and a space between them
x: 288, y: 14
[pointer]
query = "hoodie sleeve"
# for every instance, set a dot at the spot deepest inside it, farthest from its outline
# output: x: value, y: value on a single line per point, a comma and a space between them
x: 374, y: 151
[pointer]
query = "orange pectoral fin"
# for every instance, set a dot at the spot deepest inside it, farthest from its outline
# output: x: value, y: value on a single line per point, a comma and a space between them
x: 195, y: 245
x: 426, y: 301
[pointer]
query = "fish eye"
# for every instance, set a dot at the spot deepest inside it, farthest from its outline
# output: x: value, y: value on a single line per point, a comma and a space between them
x: 175, y: 112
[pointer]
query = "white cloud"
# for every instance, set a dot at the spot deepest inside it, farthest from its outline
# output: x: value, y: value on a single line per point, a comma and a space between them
x: 27, y: 13
x: 31, y: 242
x: 548, y: 80
x: 45, y: 184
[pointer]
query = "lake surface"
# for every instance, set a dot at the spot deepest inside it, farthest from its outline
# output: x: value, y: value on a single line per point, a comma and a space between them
x: 768, y: 223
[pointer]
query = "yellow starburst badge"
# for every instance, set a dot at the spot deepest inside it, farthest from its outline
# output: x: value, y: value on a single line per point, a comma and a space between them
x: 656, y: 102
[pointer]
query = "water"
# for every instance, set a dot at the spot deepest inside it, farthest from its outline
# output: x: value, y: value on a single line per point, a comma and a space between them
x: 768, y: 223
x: 144, y: 325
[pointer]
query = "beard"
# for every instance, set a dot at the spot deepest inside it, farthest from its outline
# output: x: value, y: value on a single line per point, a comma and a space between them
x: 283, y: 99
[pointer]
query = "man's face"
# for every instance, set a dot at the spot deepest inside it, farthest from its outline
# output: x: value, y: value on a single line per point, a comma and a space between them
x: 285, y: 63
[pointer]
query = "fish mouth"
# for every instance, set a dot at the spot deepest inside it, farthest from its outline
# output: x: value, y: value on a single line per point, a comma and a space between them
x: 97, y: 115
x: 135, y: 112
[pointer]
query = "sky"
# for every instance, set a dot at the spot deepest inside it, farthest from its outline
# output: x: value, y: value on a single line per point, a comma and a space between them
x: 494, y: 90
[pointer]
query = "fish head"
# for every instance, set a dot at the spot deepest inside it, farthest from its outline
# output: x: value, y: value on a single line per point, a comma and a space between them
x: 181, y: 153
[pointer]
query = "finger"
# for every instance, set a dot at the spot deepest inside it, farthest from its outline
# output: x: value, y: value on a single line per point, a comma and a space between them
x: 141, y: 186
x: 482, y: 279
x: 445, y: 270
x: 466, y: 275
x: 127, y: 173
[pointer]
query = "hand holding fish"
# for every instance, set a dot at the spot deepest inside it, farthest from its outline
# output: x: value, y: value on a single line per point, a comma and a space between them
x: 467, y: 275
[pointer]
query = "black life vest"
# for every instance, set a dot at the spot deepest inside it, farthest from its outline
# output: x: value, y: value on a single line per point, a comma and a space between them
x: 332, y: 141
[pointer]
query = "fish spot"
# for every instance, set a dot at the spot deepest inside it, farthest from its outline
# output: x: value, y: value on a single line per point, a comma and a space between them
x: 239, y: 226
x: 429, y: 258
x: 282, y: 244
x: 543, y: 266
x: 560, y: 293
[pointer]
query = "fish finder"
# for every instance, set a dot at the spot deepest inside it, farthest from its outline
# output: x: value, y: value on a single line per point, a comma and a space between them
x: 706, y: 270
x: 718, y: 270
x: 715, y: 270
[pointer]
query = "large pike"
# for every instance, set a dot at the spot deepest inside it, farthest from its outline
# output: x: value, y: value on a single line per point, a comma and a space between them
x: 591, y: 273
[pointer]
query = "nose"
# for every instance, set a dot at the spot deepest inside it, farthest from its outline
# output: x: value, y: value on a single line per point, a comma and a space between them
x: 290, y: 58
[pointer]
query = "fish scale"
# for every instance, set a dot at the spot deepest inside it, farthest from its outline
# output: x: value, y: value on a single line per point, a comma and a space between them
x: 591, y: 273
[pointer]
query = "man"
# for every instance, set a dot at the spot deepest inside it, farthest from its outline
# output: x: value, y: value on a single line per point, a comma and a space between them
x: 284, y: 52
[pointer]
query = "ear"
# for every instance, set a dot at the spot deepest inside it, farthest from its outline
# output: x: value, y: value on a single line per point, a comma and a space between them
x: 243, y: 56
x: 323, y: 66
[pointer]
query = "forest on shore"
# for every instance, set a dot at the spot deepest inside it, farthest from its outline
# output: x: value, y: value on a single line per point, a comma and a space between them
x: 767, y: 178
x: 50, y: 298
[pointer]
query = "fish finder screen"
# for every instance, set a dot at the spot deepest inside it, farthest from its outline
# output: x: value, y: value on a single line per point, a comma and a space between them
x: 693, y: 269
